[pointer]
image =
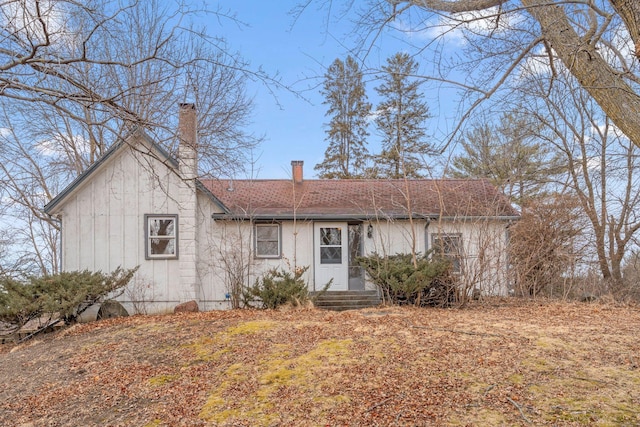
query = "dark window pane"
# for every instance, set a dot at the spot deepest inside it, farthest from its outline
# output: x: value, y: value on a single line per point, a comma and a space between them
x: 355, y: 250
x: 267, y: 232
x: 268, y: 240
x: 161, y: 227
x: 267, y: 248
x: 163, y: 247
x: 355, y: 271
x: 331, y: 236
x: 330, y: 255
x: 449, y: 247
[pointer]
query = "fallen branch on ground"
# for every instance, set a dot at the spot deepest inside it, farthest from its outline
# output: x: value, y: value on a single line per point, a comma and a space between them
x: 382, y: 402
x: 524, y: 417
x: 461, y: 332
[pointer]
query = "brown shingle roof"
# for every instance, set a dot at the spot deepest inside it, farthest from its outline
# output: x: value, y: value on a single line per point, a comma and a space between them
x: 361, y: 198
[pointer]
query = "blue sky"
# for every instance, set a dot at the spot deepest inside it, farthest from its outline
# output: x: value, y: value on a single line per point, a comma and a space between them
x: 299, y: 51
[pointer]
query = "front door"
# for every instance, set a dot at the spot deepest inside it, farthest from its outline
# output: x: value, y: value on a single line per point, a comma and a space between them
x: 331, y: 255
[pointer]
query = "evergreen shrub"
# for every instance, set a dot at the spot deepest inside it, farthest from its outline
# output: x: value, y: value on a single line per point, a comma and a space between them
x: 64, y: 295
x: 278, y: 287
x: 430, y: 283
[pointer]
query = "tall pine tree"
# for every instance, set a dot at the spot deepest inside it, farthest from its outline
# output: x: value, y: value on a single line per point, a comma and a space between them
x: 510, y: 155
x: 401, y: 120
x: 346, y: 154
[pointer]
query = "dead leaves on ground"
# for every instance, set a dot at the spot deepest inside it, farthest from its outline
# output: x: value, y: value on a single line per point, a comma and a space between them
x: 550, y: 363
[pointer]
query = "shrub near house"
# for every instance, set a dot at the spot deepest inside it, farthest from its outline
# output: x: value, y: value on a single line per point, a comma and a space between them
x: 62, y: 297
x: 403, y: 279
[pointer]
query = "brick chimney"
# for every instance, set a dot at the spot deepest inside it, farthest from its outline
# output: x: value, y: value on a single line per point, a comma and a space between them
x: 296, y: 171
x: 188, y: 141
x: 188, y: 221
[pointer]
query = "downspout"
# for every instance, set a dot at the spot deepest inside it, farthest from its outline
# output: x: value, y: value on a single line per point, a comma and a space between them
x: 426, y: 237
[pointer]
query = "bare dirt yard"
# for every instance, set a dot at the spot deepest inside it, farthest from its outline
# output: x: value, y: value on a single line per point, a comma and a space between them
x: 500, y: 363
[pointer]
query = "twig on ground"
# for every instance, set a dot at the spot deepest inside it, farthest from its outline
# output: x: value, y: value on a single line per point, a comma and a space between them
x: 524, y: 417
x: 592, y: 380
x: 382, y: 402
x: 488, y: 390
x: 461, y: 332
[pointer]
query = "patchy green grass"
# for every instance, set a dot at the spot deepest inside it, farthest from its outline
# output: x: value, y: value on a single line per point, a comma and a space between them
x: 506, y: 364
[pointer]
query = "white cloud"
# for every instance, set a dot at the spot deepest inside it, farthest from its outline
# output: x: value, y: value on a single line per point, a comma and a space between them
x: 21, y: 18
x: 453, y: 28
x: 61, y: 146
x: 536, y: 64
x: 612, y: 132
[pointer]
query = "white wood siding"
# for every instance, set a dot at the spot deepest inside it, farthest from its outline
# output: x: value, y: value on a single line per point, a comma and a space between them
x: 484, y: 247
x: 103, y: 222
x: 103, y: 228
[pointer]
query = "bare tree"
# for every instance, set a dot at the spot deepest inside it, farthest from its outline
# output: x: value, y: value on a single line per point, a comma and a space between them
x: 545, y: 246
x: 75, y: 77
x: 601, y: 168
x: 498, y: 36
x: 105, y: 67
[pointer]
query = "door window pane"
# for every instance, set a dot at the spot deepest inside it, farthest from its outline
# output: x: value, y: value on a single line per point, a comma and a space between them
x: 330, y: 245
x: 331, y: 236
x: 330, y: 255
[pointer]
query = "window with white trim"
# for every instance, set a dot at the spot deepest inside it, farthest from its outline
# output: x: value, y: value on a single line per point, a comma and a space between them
x: 267, y: 241
x: 449, y: 247
x: 161, y: 236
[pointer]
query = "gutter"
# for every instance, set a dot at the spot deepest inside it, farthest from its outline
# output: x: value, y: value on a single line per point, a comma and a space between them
x: 346, y: 217
x: 478, y: 217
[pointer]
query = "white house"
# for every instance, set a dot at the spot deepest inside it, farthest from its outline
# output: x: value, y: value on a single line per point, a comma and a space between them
x: 195, y: 239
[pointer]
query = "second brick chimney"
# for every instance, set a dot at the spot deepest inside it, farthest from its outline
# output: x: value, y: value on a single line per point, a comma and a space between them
x: 296, y: 171
x: 188, y: 200
x: 188, y: 141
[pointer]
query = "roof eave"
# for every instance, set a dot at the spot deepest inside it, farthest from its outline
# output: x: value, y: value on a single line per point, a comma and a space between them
x: 316, y: 217
x: 201, y: 187
x: 50, y: 208
x: 480, y: 217
x: 354, y: 217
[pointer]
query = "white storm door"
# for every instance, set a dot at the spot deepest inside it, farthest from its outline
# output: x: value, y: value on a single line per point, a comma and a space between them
x: 331, y: 255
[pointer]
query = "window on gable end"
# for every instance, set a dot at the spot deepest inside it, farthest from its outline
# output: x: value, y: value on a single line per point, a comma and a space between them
x: 267, y: 240
x: 161, y: 236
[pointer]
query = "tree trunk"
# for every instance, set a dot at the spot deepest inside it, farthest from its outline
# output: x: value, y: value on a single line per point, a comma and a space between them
x: 629, y: 11
x: 616, y: 98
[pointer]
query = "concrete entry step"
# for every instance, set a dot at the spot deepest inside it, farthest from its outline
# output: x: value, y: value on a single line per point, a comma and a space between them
x: 346, y: 300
